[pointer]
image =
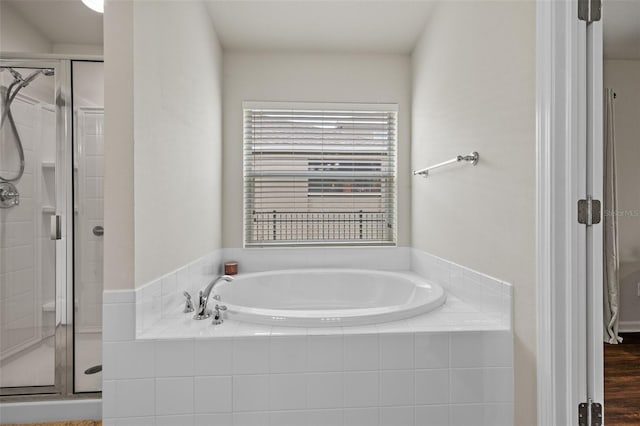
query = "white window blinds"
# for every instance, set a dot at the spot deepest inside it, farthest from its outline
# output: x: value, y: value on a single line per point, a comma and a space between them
x: 319, y: 175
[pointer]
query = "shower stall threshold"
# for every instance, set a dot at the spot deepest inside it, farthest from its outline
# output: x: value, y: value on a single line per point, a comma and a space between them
x: 51, y: 411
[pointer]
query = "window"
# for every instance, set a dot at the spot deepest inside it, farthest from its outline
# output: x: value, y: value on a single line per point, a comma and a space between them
x: 319, y: 174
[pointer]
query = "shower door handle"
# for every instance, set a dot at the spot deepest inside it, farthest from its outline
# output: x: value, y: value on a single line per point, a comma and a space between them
x: 56, y: 227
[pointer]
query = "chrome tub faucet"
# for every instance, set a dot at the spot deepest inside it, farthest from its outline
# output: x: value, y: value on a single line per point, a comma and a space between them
x: 203, y: 312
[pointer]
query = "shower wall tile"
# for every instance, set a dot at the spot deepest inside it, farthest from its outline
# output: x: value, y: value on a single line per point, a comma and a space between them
x: 90, y: 214
x: 26, y: 258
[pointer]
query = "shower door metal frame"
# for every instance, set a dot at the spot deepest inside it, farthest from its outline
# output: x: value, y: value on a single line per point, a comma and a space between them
x: 63, y: 352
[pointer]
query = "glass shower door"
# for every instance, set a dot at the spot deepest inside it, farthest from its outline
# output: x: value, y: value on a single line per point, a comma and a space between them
x: 88, y: 118
x: 33, y: 281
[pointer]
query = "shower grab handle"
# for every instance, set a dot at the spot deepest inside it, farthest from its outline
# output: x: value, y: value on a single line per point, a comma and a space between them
x: 56, y: 227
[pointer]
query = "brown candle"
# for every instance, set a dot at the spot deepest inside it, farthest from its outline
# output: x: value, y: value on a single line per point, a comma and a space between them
x: 231, y: 268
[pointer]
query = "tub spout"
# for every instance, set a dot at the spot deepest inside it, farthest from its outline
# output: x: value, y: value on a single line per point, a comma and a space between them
x: 203, y: 312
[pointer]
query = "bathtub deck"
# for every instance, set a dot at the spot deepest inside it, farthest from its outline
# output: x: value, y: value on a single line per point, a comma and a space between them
x: 454, y: 315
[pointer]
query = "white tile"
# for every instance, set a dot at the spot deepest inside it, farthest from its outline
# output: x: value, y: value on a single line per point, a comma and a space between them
x: 152, y: 303
x: 466, y: 415
x: 396, y: 416
x: 250, y: 355
x: 498, y: 414
x: 213, y: 419
x: 400, y: 326
x: 324, y: 417
x: 184, y: 282
x: 174, y: 396
x: 139, y: 317
x: 325, y: 331
x: 361, y: 417
x: 432, y: 415
x: 325, y: 353
x: 282, y: 331
x: 213, y: 394
x: 135, y: 398
x: 109, y: 399
x: 109, y: 360
x: 288, y: 418
x: 361, y: 352
x: 137, y: 421
x: 134, y: 360
x: 325, y: 390
x: 287, y: 392
x: 250, y: 419
x: 396, y: 388
x: 250, y: 393
x: 432, y: 386
x: 475, y: 385
x: 174, y: 358
x: 396, y: 351
x: 482, y: 349
x: 174, y: 420
x: 172, y: 305
x: 169, y: 284
x: 213, y: 357
x: 431, y: 350
x: 288, y: 354
x: 119, y: 322
x: 361, y: 389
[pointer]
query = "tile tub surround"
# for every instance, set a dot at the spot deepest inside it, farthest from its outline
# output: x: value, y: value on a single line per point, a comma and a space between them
x: 163, y: 297
x: 452, y: 366
x: 448, y: 367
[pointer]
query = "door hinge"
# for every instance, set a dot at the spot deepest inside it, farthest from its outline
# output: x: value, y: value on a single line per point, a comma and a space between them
x: 596, y: 414
x: 589, y: 10
x: 589, y: 414
x: 589, y: 212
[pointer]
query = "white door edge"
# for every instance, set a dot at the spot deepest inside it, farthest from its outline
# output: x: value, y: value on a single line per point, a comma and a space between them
x: 561, y: 241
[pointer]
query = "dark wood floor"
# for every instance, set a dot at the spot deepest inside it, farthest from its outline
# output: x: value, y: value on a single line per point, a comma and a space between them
x: 622, y: 381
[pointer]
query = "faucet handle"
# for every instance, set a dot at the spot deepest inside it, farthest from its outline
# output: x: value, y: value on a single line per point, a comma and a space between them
x: 217, y: 316
x: 188, y: 304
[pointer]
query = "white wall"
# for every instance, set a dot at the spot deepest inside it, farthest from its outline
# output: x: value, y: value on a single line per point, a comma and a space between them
x: 624, y: 77
x: 310, y: 78
x: 177, y: 131
x: 474, y: 89
x: 17, y: 35
x: 78, y: 49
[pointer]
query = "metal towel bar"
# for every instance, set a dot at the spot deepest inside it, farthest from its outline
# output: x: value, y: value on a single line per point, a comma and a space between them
x: 470, y: 158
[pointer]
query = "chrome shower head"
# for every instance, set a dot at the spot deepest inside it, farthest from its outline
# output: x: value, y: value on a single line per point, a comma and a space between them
x: 29, y: 79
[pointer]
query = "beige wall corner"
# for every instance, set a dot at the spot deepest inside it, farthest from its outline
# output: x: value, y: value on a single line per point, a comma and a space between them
x: 118, y: 182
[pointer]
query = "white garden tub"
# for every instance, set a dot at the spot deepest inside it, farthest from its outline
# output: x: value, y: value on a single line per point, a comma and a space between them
x: 328, y: 297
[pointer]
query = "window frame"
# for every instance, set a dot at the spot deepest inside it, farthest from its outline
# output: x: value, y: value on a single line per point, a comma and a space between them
x: 323, y: 106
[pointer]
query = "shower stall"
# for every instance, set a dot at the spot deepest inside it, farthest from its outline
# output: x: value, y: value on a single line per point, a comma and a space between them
x: 51, y: 210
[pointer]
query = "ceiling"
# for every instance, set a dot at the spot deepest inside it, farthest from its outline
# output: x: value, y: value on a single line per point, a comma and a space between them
x: 320, y: 26
x: 62, y: 21
x: 381, y: 26
x: 621, y: 29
